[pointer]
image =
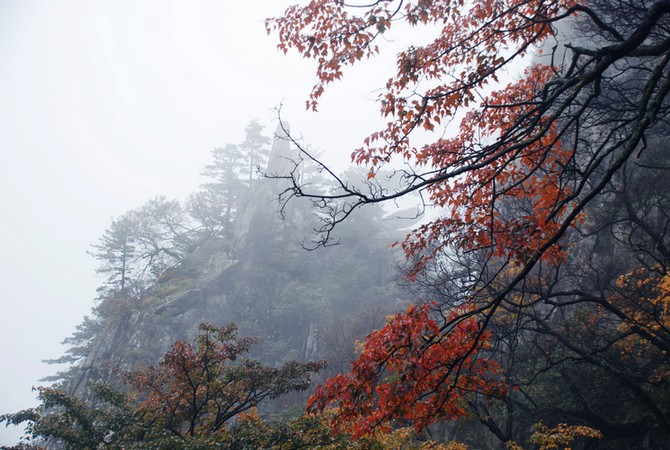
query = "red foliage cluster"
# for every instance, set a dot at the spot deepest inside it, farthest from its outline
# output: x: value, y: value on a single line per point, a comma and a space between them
x: 508, y: 146
x: 511, y: 180
x: 410, y: 372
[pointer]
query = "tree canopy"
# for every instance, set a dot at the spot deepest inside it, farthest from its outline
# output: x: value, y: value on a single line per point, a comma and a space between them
x: 195, y: 398
x: 523, y: 180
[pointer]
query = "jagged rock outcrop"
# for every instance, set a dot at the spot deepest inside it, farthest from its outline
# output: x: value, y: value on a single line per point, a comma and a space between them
x: 258, y: 277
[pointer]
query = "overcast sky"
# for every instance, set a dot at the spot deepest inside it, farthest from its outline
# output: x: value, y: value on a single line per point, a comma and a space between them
x: 106, y: 104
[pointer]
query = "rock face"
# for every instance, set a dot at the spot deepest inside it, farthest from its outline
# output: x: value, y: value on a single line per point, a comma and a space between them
x: 282, y: 157
x: 260, y: 278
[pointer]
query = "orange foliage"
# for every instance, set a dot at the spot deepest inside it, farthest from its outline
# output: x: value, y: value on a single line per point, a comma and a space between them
x: 507, y: 150
x: 508, y: 146
x: 643, y: 299
x: 561, y: 436
x: 409, y: 371
x: 197, y: 389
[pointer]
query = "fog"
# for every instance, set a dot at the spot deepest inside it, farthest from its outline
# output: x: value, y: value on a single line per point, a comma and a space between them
x: 106, y: 104
x: 129, y: 133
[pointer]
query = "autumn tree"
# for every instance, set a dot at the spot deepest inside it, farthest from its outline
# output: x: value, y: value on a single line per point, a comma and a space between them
x: 515, y: 178
x: 586, y: 341
x: 196, y: 397
x: 199, y: 389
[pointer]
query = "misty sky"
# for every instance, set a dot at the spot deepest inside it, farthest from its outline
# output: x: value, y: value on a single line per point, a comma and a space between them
x: 106, y: 104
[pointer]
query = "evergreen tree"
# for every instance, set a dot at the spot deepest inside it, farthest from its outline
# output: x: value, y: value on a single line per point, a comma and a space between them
x: 255, y: 149
x: 117, y: 253
x: 215, y: 206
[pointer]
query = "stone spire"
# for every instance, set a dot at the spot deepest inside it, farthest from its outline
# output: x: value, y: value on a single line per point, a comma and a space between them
x: 282, y: 158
